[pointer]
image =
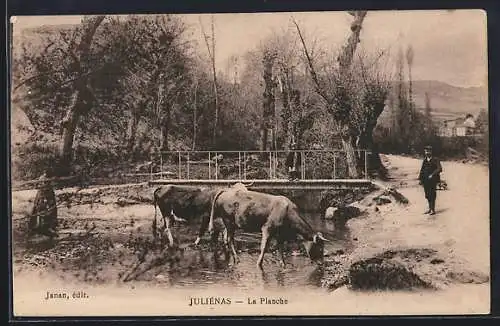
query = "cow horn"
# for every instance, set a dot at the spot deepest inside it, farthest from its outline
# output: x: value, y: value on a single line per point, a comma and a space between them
x: 322, y: 237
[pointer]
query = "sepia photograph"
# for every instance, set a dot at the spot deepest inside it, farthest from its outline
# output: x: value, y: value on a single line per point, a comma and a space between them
x: 250, y: 164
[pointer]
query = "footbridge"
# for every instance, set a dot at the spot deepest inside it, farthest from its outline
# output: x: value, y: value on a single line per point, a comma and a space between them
x: 259, y: 170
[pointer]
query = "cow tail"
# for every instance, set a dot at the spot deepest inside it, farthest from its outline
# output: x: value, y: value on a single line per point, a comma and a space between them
x: 154, y: 227
x: 212, y: 210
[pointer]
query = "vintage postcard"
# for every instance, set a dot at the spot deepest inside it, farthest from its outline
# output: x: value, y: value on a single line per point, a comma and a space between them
x: 258, y: 164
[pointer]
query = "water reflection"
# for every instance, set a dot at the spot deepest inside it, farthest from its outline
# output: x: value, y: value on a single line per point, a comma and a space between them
x: 316, y: 276
x: 280, y: 278
x: 201, y: 266
x: 265, y: 278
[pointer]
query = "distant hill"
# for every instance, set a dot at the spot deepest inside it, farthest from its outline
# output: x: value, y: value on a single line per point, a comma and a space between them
x: 446, y: 98
x: 446, y: 101
x: 34, y: 36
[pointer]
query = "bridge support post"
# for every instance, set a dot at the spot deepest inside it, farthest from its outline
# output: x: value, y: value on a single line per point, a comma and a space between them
x: 179, y: 165
x: 187, y: 167
x: 366, y: 164
x: 334, y: 165
x: 239, y: 165
x: 303, y: 165
x: 216, y: 166
x: 270, y: 166
x: 245, y: 165
x: 161, y: 165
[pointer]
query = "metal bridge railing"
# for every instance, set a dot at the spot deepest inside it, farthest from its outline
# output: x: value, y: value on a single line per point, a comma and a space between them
x: 253, y: 165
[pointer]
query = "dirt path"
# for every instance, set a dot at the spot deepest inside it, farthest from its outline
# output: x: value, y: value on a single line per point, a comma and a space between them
x: 458, y: 233
x: 461, y: 224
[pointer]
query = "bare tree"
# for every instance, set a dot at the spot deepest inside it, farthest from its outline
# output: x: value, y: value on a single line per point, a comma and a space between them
x: 195, y: 112
x: 211, y: 53
x: 372, y: 91
x: 409, y: 59
x: 403, y: 128
x: 427, y: 105
x: 287, y: 62
x: 336, y: 97
x: 268, y: 103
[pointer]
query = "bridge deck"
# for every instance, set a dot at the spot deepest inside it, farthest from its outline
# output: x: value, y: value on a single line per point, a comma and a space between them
x: 318, y: 184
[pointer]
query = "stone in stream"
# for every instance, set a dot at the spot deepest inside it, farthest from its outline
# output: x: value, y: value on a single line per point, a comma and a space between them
x: 382, y: 200
x: 340, y: 215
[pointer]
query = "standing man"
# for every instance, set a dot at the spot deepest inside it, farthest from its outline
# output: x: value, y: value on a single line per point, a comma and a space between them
x: 429, y: 178
x: 293, y: 162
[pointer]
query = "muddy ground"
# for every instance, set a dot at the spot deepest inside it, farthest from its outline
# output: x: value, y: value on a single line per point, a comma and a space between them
x: 105, y: 233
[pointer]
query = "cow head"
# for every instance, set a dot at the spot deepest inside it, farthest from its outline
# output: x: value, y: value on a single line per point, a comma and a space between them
x: 315, y: 248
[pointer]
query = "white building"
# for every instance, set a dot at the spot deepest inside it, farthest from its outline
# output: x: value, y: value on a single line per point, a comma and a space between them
x: 458, y: 127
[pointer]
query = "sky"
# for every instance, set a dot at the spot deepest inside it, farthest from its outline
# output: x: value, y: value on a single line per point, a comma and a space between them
x: 449, y: 46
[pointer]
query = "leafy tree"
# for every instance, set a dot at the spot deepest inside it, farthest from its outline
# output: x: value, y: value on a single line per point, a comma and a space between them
x: 124, y: 69
x: 62, y: 78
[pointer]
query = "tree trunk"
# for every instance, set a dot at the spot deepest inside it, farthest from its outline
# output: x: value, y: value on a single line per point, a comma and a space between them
x: 165, y: 129
x: 366, y: 139
x: 132, y: 131
x: 347, y: 145
x: 347, y: 54
x: 216, y: 106
x: 286, y: 112
x: 268, y: 99
x: 80, y: 94
x: 216, y: 122
x: 263, y: 137
x: 195, y: 116
x: 297, y: 116
x: 374, y: 164
x: 69, y: 124
x: 345, y: 60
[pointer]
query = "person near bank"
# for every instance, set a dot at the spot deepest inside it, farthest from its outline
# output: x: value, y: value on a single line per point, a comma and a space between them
x: 43, y: 219
x: 429, y: 177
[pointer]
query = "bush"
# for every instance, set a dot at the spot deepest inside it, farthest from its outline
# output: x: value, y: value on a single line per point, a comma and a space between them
x: 31, y: 160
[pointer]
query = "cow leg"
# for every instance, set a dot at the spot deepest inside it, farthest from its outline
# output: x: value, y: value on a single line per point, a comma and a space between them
x: 214, y: 236
x: 264, y: 244
x: 236, y: 259
x: 213, y: 244
x: 203, y: 229
x: 281, y: 253
x: 155, y: 230
x: 176, y: 218
x: 168, y: 224
x: 226, y: 244
x: 230, y: 230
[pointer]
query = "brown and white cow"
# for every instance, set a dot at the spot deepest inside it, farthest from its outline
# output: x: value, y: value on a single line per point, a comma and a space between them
x: 183, y: 204
x: 274, y: 216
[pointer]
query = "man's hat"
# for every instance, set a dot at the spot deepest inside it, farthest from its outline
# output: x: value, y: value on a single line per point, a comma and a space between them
x: 428, y: 147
